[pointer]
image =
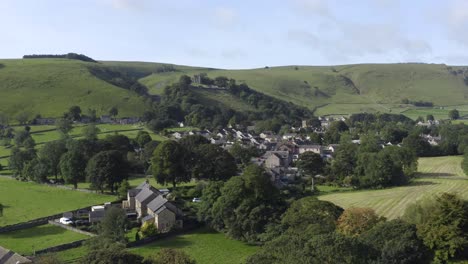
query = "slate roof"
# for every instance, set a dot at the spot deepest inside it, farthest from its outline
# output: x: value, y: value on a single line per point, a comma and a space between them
x: 146, y: 194
x: 146, y: 218
x: 156, y: 203
x: 9, y: 257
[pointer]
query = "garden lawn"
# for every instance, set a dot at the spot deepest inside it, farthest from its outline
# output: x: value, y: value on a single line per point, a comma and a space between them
x: 205, y: 246
x: 436, y: 175
x: 26, y: 241
x: 25, y: 201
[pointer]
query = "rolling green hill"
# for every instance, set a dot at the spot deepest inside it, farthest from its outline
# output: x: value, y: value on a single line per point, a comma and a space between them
x: 346, y: 89
x: 49, y: 86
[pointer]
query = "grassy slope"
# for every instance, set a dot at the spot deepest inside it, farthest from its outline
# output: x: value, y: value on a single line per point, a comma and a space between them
x: 377, y: 87
x: 26, y: 241
x: 50, y: 86
x: 25, y: 201
x: 204, y: 246
x: 440, y: 174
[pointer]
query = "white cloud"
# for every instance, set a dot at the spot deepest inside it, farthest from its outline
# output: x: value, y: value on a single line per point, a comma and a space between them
x: 312, y: 7
x: 127, y: 4
x: 225, y: 16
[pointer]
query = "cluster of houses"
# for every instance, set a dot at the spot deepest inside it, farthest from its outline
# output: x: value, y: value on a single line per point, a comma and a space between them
x: 280, y: 151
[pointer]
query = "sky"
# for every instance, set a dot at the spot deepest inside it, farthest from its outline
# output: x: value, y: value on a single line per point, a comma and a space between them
x: 241, y: 33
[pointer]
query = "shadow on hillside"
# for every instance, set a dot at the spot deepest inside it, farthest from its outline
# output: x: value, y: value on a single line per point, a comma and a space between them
x: 423, y: 183
x: 43, y: 231
x: 173, y: 242
x: 435, y: 174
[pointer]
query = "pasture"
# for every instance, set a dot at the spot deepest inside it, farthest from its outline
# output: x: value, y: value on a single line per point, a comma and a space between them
x: 204, y: 245
x: 26, y: 241
x: 25, y: 201
x: 436, y: 175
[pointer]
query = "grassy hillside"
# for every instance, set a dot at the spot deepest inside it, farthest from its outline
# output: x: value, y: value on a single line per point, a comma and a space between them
x: 345, y: 89
x: 50, y: 86
x: 437, y: 175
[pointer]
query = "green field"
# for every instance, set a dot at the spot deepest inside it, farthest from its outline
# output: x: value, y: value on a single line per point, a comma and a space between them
x: 26, y: 241
x: 437, y: 175
x: 25, y: 201
x: 205, y: 246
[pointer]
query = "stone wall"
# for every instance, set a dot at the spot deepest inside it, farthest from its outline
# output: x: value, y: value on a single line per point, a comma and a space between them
x: 71, y: 228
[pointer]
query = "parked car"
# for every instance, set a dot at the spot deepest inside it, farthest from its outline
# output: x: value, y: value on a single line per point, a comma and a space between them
x: 196, y: 200
x: 81, y: 222
x: 66, y: 221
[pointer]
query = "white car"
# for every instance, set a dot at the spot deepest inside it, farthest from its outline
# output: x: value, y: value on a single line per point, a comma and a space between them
x: 65, y: 221
x: 196, y: 200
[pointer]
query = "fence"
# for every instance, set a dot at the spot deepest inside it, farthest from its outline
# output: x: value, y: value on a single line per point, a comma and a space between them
x: 71, y: 228
x: 29, y: 224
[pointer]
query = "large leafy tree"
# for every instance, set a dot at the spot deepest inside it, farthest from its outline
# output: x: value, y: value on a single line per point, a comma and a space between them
x: 168, y: 163
x: 50, y: 155
x: 73, y: 166
x: 106, y: 169
x: 442, y: 223
x: 90, y: 132
x: 214, y: 163
x: 396, y: 242
x: 246, y: 204
x: 355, y: 221
x: 142, y: 138
x: 310, y: 163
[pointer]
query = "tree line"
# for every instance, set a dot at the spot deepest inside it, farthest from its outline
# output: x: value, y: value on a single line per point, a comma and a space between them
x: 179, y: 103
x: 71, y: 56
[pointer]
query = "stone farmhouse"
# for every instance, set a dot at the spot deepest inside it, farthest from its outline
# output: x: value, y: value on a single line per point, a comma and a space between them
x: 150, y: 205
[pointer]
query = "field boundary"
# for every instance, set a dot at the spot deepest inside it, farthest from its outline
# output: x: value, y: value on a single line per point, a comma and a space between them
x: 71, y: 228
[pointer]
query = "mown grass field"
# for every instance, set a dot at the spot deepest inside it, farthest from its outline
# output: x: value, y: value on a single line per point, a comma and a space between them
x: 26, y: 241
x: 437, y: 175
x: 25, y: 201
x: 205, y: 246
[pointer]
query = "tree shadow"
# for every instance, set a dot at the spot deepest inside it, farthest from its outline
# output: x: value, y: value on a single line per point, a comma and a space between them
x: 43, y: 231
x: 423, y: 183
x: 435, y: 174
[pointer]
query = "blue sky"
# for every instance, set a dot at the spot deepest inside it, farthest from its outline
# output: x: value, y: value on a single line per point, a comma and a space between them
x: 241, y: 33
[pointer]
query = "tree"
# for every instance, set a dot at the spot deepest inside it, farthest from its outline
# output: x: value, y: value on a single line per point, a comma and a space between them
x: 185, y: 81
x: 454, y: 114
x: 74, y: 113
x: 310, y: 163
x: 106, y: 169
x: 241, y: 154
x: 333, y: 133
x: 105, y: 252
x: 345, y: 160
x: 114, y: 111
x: 396, y: 242
x: 73, y: 166
x: 430, y: 117
x: 51, y: 154
x: 19, y: 158
x: 35, y: 170
x: 113, y: 225
x: 246, y: 205
x: 148, y: 229
x: 169, y: 256
x: 148, y: 150
x: 221, y: 81
x: 442, y: 223
x: 90, y: 132
x: 310, y: 216
x: 122, y: 191
x: 214, y: 163
x: 168, y: 163
x: 1, y: 209
x: 21, y: 137
x: 64, y: 125
x: 142, y: 138
x: 355, y: 221
x: 117, y: 142
x: 22, y: 118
